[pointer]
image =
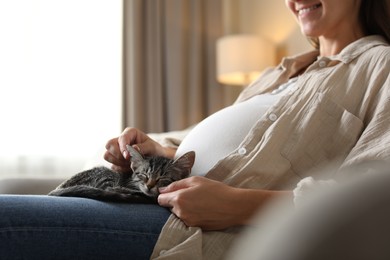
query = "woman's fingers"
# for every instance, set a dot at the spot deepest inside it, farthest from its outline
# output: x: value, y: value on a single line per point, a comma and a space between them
x: 114, y: 156
x: 169, y: 195
x: 177, y: 185
x: 202, y: 202
x: 112, y: 147
x: 115, y: 161
x: 130, y: 136
x: 116, y: 151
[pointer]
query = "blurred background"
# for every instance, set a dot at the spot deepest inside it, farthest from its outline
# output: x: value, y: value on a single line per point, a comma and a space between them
x: 74, y: 73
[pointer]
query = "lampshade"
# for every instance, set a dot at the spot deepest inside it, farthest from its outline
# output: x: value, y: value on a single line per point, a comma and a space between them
x: 242, y: 57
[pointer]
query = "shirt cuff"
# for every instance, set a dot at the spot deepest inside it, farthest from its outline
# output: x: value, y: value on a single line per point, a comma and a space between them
x: 307, y: 186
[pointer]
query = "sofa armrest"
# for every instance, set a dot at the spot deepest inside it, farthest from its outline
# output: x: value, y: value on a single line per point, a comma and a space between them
x: 31, y: 186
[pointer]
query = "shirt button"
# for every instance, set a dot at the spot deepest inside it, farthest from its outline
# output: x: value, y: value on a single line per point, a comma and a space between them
x: 272, y: 117
x: 322, y: 64
x: 242, y: 151
x: 162, y: 252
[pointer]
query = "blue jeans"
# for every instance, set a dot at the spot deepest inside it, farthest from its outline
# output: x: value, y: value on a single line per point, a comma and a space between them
x: 43, y: 227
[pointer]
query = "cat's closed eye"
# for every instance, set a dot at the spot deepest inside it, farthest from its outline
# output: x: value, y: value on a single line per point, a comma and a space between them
x: 143, y: 177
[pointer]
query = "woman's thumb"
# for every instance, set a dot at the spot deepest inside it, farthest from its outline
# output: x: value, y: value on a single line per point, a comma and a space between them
x: 174, y: 186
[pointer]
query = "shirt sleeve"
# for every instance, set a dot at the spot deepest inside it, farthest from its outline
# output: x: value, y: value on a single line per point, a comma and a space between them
x: 374, y: 142
x: 170, y: 139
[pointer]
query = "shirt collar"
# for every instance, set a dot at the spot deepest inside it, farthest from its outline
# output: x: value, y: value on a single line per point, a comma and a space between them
x: 358, y: 47
x: 296, y: 63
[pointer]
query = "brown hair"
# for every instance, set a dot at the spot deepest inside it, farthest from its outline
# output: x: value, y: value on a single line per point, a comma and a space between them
x: 374, y: 17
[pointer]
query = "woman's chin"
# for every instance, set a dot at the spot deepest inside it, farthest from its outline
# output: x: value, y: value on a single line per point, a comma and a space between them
x: 310, y: 32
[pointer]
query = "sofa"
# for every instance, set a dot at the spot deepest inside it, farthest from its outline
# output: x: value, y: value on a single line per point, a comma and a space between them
x: 348, y: 221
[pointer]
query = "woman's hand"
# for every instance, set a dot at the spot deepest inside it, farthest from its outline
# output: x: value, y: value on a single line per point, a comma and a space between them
x: 118, y: 155
x: 211, y: 205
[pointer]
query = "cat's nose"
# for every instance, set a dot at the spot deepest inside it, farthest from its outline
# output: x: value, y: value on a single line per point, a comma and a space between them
x: 150, y: 184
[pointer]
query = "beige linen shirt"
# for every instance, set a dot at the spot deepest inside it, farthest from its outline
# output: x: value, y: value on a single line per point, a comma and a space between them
x: 339, y: 111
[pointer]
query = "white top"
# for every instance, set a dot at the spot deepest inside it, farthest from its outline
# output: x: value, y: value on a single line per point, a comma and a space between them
x: 222, y: 132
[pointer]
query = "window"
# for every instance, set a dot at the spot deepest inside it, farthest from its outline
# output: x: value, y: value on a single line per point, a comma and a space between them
x: 60, y: 81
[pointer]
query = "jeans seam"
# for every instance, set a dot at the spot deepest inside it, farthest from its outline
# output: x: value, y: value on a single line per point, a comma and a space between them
x: 64, y: 229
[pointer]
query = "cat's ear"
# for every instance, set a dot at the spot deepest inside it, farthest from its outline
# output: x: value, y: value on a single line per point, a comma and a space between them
x: 136, y: 158
x: 186, y: 161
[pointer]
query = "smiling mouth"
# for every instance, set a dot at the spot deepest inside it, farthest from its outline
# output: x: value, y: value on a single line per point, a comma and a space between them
x: 308, y: 9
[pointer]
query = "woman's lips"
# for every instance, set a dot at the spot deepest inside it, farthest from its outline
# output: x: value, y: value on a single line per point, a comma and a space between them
x: 304, y: 10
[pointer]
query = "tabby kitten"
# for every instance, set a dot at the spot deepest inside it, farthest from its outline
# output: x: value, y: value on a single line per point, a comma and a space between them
x: 140, y: 185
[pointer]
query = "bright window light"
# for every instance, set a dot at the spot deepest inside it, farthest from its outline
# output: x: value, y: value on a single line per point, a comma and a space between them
x: 60, y: 78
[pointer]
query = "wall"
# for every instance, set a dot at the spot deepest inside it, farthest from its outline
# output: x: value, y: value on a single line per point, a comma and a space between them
x: 268, y: 18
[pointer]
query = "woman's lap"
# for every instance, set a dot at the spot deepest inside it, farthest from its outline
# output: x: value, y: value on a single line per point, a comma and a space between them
x: 43, y: 227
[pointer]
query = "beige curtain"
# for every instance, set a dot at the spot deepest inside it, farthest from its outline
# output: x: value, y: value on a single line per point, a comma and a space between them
x: 169, y: 65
